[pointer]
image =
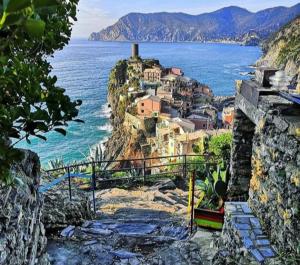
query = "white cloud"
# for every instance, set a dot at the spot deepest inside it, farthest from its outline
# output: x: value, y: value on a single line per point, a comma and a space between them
x: 91, y: 19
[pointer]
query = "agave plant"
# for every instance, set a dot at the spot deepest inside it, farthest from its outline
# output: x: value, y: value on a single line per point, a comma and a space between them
x: 214, y: 189
x: 95, y: 154
x: 134, y: 173
x: 56, y: 163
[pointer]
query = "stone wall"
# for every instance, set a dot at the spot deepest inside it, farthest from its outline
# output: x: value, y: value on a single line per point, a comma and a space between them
x: 240, y: 165
x: 265, y: 164
x: 22, y: 234
x: 275, y: 183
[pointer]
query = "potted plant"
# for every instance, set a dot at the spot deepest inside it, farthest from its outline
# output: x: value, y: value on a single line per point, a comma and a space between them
x: 209, y: 208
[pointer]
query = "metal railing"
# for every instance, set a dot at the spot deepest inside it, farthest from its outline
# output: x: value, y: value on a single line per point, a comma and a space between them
x: 137, y: 169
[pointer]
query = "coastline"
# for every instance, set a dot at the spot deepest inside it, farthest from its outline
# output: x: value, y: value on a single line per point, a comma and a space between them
x: 229, y: 42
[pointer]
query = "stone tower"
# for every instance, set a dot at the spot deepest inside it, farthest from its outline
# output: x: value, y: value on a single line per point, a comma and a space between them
x: 135, y: 50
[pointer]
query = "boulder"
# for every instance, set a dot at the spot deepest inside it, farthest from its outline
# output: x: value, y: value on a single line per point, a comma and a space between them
x: 165, y: 184
x: 60, y: 212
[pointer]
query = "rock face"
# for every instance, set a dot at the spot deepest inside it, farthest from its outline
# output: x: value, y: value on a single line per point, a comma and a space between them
x: 125, y: 141
x: 60, y: 212
x: 22, y: 234
x: 283, y: 49
x: 227, y: 24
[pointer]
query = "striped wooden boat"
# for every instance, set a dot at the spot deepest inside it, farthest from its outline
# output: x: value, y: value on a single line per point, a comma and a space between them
x: 208, y: 218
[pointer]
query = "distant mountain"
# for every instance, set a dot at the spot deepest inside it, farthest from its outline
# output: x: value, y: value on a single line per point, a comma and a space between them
x: 227, y: 24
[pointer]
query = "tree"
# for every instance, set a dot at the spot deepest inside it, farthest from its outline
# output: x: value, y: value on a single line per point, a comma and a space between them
x: 31, y: 104
x: 220, y: 145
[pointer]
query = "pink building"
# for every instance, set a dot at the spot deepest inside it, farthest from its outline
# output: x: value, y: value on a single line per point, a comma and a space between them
x: 176, y: 71
x: 148, y: 106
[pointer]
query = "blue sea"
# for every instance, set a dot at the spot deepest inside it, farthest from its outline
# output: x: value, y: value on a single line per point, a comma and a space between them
x: 83, y: 68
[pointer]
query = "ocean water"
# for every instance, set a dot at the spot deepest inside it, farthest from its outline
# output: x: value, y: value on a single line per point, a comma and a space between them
x: 83, y: 68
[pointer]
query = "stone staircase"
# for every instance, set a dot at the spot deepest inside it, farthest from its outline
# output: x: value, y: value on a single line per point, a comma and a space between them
x: 243, y: 239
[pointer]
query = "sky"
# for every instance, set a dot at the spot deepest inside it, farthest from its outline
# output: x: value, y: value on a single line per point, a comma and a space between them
x: 94, y: 15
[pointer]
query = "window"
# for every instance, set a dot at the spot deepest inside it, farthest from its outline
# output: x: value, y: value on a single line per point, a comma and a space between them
x: 203, y: 125
x: 142, y: 111
x: 143, y: 104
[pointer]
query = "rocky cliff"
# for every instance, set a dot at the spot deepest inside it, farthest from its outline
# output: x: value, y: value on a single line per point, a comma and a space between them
x: 122, y: 143
x: 282, y: 50
x: 22, y: 234
x: 227, y: 24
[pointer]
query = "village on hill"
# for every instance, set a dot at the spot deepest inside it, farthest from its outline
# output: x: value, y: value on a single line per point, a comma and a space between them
x: 176, y: 112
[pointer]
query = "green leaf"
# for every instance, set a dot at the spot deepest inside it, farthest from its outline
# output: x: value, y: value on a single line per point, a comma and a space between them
x: 58, y: 123
x: 45, y: 3
x: 79, y: 120
x: 61, y: 131
x: 13, y: 19
x: 17, y: 5
x: 41, y: 137
x: 42, y: 126
x: 35, y: 28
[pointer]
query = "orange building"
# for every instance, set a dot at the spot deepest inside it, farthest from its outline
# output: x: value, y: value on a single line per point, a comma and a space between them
x: 148, y: 106
x: 228, y: 116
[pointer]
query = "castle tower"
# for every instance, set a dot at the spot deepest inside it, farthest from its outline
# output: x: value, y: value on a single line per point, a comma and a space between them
x: 135, y: 50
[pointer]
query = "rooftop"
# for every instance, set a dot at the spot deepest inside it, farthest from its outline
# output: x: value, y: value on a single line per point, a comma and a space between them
x: 151, y: 97
x: 198, y: 117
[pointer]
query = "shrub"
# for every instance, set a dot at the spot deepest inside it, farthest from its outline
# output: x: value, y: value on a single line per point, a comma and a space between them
x: 31, y: 104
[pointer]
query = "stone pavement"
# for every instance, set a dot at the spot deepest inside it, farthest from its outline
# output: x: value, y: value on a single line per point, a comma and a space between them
x: 243, y: 236
x: 142, y: 226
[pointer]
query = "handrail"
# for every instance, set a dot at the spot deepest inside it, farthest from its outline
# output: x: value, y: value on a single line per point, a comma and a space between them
x: 142, y: 169
x: 125, y: 160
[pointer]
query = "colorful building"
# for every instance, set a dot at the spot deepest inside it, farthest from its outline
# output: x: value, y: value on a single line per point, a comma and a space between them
x: 174, y: 71
x: 202, y: 122
x: 228, y: 116
x: 153, y: 74
x: 148, y: 106
x: 167, y: 131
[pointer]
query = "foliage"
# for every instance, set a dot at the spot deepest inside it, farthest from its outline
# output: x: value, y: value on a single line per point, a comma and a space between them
x: 135, y: 82
x: 206, y: 184
x: 95, y: 154
x: 56, y: 163
x: 198, y: 164
x: 291, y: 51
x: 220, y: 145
x: 117, y: 76
x: 31, y: 103
x: 201, y: 147
x: 285, y: 42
